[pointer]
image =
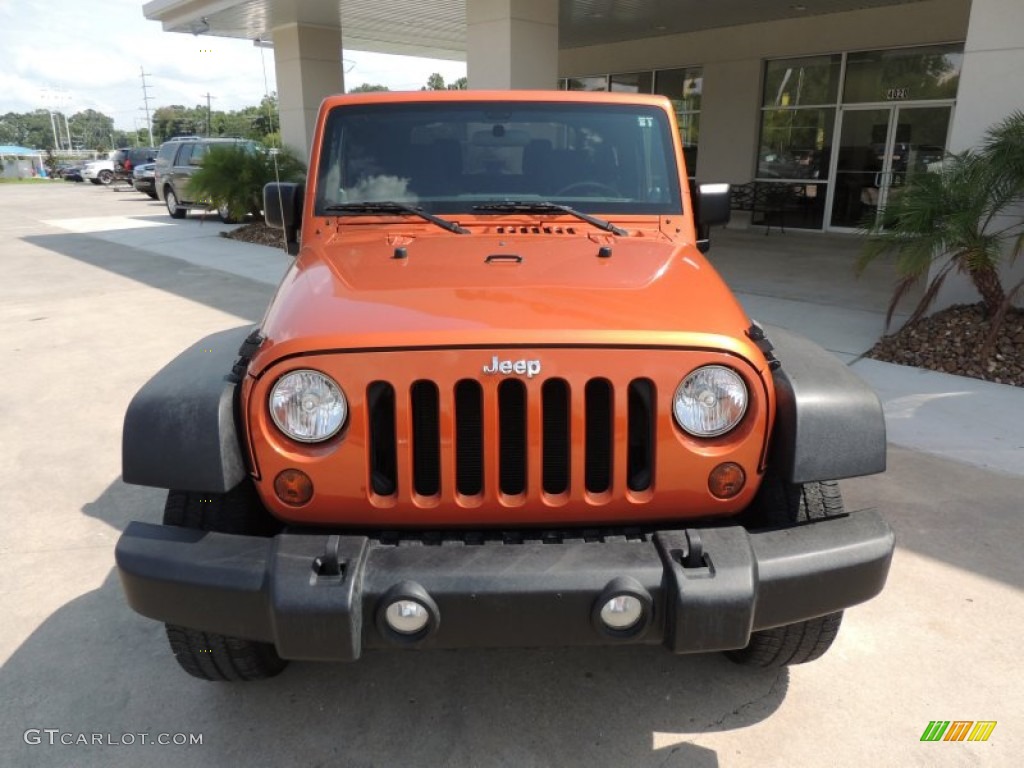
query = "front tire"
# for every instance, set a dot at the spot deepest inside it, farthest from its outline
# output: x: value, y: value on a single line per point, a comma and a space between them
x: 208, y: 655
x: 171, y: 201
x: 779, y: 503
x: 105, y: 177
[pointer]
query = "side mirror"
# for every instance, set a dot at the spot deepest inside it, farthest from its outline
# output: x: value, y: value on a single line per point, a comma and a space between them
x: 282, y: 209
x: 712, y: 206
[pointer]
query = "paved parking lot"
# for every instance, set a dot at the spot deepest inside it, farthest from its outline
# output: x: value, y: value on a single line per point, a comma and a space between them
x: 93, y: 300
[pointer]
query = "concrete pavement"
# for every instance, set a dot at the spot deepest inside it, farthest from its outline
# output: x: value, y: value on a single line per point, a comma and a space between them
x: 806, y: 282
x: 100, y: 289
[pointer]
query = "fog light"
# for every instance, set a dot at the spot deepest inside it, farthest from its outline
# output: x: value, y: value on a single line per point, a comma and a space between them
x: 407, y: 617
x: 622, y: 612
x: 726, y: 480
x: 293, y: 487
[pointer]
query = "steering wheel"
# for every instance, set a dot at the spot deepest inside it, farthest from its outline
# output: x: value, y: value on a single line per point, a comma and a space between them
x: 577, y: 186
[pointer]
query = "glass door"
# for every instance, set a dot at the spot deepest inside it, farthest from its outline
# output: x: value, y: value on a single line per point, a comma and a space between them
x: 880, y: 149
x: 862, y: 161
x: 917, y: 142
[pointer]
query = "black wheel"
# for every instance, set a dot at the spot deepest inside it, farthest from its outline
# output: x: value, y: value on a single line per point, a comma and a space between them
x: 95, y: 181
x: 152, y: 195
x: 779, y: 503
x: 105, y: 177
x: 171, y: 201
x: 208, y: 655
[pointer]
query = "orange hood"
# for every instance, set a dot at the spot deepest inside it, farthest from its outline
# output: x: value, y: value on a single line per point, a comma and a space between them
x: 492, y: 290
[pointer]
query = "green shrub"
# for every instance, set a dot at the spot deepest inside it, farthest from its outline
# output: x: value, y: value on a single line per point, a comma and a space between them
x: 964, y: 215
x: 233, y: 176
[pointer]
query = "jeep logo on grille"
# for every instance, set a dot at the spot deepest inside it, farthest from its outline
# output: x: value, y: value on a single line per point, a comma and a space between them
x: 527, y: 368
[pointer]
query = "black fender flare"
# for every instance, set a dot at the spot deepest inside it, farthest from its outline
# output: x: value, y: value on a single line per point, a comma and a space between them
x: 181, y: 430
x: 829, y: 423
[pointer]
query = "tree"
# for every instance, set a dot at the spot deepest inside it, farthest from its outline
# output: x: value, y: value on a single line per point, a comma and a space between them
x: 90, y: 128
x: 51, y: 162
x: 177, y: 120
x: 965, y: 214
x: 267, y: 118
x: 434, y: 83
x: 28, y: 129
x: 367, y: 88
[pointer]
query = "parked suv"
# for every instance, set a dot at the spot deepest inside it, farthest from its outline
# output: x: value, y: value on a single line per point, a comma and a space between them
x: 500, y: 399
x: 99, y: 171
x: 126, y: 159
x: 176, y: 161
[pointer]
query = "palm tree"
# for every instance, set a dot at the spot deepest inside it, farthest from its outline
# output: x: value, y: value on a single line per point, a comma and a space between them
x: 966, y: 214
x: 232, y: 177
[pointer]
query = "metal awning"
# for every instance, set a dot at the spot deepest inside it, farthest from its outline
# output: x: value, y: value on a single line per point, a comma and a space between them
x: 437, y: 28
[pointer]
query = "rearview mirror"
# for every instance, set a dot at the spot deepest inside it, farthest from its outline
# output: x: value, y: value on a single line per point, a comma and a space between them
x: 282, y: 209
x: 712, y: 205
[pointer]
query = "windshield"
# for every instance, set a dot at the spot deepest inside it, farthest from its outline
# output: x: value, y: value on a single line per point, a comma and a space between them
x: 452, y: 157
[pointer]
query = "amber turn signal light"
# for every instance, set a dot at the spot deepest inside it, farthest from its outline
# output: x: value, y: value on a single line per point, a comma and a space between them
x: 293, y: 487
x: 726, y: 480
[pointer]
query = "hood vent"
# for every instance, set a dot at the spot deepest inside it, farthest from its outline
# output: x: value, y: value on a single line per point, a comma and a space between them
x: 535, y: 230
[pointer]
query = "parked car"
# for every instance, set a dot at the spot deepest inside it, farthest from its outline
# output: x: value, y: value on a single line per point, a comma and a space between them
x: 126, y: 159
x: 142, y: 179
x: 176, y: 161
x: 99, y: 171
x: 69, y: 171
x: 511, y: 407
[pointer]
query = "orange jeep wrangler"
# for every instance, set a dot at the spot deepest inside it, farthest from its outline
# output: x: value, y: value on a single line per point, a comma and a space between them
x: 500, y: 399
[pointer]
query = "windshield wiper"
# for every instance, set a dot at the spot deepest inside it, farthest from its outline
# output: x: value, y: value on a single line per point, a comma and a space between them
x: 541, y: 206
x: 388, y: 206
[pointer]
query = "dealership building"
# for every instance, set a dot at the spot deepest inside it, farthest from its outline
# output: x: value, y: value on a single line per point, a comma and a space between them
x: 836, y: 101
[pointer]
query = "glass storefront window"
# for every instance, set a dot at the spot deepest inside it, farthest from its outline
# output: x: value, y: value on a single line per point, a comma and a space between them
x: 795, y: 143
x: 684, y: 88
x: 598, y: 83
x: 631, y: 82
x: 931, y: 72
x: 802, y: 82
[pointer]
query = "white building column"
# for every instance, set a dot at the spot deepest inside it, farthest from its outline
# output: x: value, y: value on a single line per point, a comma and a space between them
x: 990, y: 89
x: 307, y: 61
x: 512, y: 44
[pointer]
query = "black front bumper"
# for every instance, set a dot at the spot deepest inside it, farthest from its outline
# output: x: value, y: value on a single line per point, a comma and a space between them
x: 321, y: 596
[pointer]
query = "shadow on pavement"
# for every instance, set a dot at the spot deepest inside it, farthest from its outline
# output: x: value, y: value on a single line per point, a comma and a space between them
x: 95, y: 666
x: 967, y: 517
x: 229, y: 293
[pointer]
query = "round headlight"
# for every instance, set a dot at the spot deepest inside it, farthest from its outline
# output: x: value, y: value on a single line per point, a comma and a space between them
x: 308, y: 406
x: 710, y: 401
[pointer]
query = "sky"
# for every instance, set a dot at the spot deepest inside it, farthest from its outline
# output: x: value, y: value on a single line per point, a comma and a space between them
x: 71, y: 55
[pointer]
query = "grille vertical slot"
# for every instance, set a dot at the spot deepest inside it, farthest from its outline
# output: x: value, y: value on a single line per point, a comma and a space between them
x: 380, y: 401
x: 599, y: 435
x: 426, y: 438
x: 512, y: 437
x: 556, y: 447
x: 469, y: 438
x: 641, y: 439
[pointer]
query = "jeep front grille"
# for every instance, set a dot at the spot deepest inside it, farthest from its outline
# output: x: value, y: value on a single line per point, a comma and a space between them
x: 493, y: 429
x: 469, y: 438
